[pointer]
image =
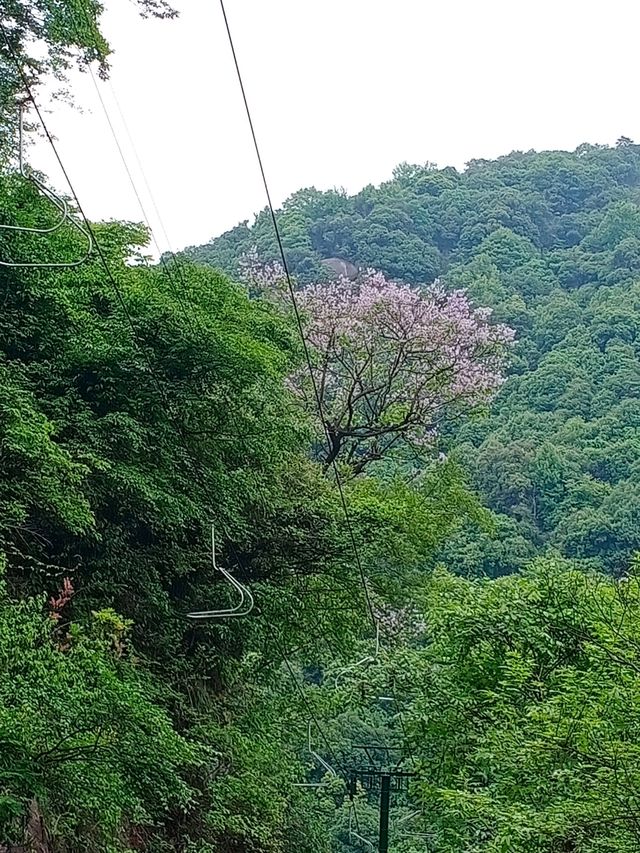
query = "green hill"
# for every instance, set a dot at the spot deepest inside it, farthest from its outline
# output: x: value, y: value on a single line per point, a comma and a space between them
x: 551, y: 241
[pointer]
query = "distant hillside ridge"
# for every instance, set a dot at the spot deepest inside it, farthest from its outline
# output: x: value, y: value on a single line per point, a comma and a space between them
x: 414, y: 226
x: 551, y: 241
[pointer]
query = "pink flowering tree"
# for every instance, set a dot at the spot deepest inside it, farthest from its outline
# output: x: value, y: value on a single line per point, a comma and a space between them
x: 392, y: 362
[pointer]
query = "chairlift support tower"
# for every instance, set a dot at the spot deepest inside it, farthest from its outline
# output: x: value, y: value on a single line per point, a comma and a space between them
x: 385, y: 781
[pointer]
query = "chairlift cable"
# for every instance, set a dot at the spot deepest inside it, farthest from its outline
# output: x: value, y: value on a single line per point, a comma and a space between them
x: 298, y: 316
x: 176, y: 290
x: 299, y: 322
x: 145, y: 180
x: 307, y: 705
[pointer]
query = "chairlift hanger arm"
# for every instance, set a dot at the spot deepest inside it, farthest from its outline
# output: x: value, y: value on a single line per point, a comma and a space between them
x: 362, y: 662
x: 356, y: 835
x: 324, y: 764
x: 244, y: 605
x: 53, y: 264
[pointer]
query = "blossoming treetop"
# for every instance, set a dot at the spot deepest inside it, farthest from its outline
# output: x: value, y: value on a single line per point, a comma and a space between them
x: 391, y: 362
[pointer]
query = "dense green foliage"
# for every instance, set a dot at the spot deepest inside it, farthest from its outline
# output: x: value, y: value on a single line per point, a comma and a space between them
x: 81, y: 734
x: 520, y: 698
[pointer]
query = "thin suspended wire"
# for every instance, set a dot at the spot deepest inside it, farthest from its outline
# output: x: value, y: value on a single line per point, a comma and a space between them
x: 242, y: 608
x: 145, y: 180
x: 305, y: 701
x: 179, y: 296
x: 166, y: 407
x: 140, y: 167
x: 298, y: 316
x: 300, y: 326
x: 176, y: 290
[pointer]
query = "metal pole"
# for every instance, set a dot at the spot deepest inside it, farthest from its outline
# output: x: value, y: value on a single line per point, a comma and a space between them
x: 385, y: 796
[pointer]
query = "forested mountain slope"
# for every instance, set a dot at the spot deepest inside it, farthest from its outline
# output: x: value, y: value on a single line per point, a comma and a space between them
x: 551, y: 241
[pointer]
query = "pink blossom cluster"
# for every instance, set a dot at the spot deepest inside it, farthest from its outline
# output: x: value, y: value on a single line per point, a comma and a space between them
x: 398, y: 354
x: 390, y: 361
x: 267, y: 279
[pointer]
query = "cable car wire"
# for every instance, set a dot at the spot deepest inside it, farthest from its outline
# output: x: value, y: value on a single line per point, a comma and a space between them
x: 298, y: 316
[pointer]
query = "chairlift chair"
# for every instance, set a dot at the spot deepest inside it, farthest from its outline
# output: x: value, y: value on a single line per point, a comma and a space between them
x: 244, y: 605
x: 58, y: 202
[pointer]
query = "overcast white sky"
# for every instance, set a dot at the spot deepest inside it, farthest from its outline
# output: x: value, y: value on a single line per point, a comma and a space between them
x: 341, y: 91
